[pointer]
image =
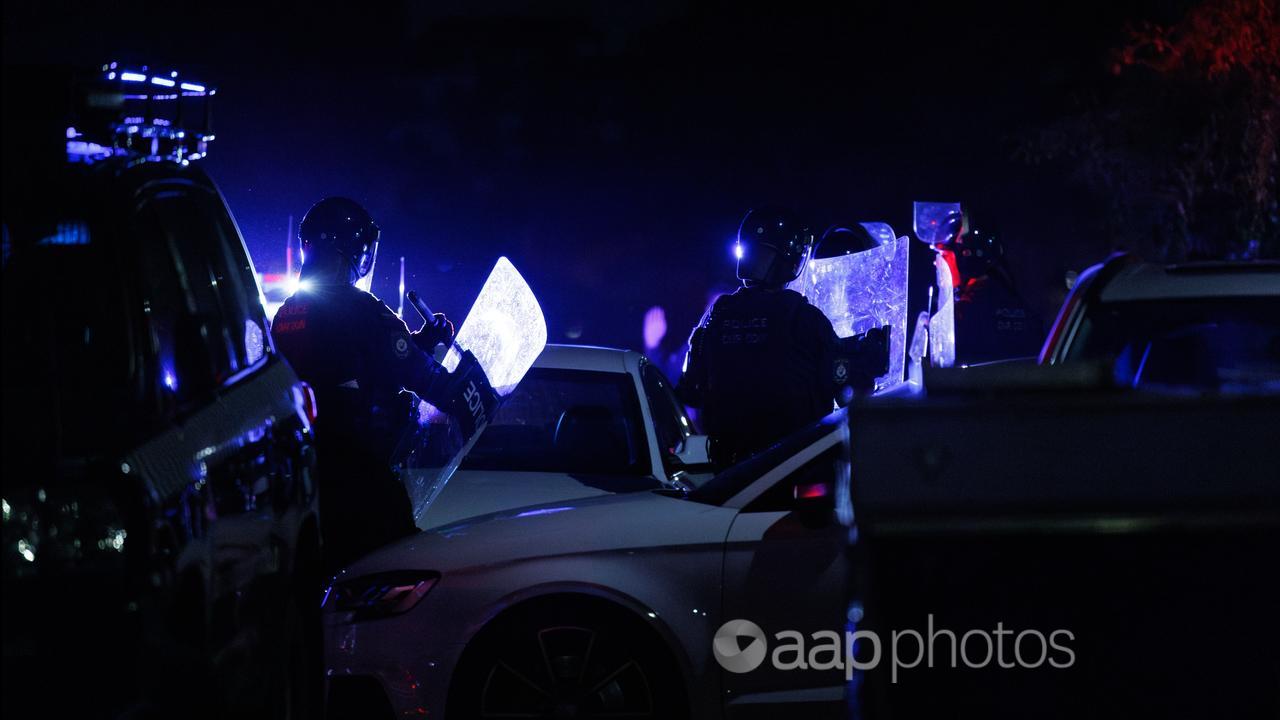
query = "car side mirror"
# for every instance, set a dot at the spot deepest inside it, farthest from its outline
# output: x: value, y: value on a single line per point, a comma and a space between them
x: 695, y: 450
x: 814, y: 503
x: 820, y: 495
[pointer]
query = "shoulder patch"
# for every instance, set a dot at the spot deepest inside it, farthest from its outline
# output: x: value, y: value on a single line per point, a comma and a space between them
x: 401, y: 346
x: 841, y: 371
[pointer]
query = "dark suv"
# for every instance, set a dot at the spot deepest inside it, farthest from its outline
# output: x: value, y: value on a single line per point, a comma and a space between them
x: 160, y: 530
x: 1211, y: 327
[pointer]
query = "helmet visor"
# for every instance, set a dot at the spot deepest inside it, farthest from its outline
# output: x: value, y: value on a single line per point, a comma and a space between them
x: 365, y: 260
x: 755, y: 261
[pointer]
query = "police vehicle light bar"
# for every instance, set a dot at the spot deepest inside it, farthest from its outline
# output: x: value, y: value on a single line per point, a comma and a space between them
x: 140, y: 115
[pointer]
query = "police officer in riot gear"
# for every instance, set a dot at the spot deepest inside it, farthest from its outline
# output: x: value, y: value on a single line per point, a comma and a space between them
x: 365, y: 368
x: 993, y: 321
x: 763, y: 362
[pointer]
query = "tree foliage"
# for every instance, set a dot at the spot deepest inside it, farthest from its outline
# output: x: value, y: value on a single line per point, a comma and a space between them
x: 1182, y: 141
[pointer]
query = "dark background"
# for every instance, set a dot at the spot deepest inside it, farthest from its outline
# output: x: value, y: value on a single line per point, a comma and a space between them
x: 610, y: 149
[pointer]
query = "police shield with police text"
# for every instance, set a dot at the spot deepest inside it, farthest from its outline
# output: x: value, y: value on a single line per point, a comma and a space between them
x: 763, y: 362
x: 366, y: 368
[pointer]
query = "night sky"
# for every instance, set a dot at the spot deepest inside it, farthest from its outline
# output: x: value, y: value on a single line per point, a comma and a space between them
x: 610, y: 149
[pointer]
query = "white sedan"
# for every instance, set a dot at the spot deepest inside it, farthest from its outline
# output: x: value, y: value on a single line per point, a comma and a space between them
x: 585, y: 421
x: 604, y: 606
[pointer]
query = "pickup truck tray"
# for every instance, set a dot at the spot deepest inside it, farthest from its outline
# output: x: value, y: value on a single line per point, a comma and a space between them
x: 1147, y: 526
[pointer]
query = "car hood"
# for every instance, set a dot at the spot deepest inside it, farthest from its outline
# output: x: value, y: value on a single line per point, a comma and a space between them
x: 470, y: 493
x: 586, y: 525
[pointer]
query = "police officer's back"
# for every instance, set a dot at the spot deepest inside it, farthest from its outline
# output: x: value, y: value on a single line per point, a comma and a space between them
x: 360, y: 359
x: 993, y: 321
x: 761, y: 362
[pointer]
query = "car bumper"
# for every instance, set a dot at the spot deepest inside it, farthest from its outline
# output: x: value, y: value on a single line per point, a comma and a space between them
x: 412, y: 671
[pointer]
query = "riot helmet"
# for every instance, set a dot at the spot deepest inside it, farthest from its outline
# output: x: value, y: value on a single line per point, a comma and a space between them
x: 773, y: 247
x: 338, y: 236
x: 977, y: 253
x: 839, y: 240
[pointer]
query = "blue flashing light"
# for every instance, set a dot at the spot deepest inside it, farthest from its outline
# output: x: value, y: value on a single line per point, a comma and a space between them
x: 157, y: 120
x: 738, y: 252
x: 68, y: 233
x: 79, y: 150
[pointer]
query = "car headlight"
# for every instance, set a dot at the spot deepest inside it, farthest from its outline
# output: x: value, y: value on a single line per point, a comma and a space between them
x: 379, y: 595
x: 62, y: 530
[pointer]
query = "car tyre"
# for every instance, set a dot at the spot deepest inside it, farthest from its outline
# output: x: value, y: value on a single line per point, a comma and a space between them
x: 567, y: 660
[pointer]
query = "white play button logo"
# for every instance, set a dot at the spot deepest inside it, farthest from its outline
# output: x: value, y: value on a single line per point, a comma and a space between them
x: 739, y: 646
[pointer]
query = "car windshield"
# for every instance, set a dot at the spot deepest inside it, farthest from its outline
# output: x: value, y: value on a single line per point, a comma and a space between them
x: 569, y: 421
x: 1214, y: 344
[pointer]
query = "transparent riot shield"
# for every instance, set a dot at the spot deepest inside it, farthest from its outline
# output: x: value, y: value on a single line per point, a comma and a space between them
x: 865, y: 290
x: 936, y: 223
x: 942, y: 326
x: 506, y: 332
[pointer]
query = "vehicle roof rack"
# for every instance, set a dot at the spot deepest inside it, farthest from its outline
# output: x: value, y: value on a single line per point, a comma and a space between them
x: 139, y: 115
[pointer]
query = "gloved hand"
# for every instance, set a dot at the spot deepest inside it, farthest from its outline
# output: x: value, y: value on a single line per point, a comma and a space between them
x: 437, y: 331
x: 863, y: 358
x: 472, y: 401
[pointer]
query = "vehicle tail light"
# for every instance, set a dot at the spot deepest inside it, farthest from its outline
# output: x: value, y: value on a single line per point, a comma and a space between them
x: 306, y: 401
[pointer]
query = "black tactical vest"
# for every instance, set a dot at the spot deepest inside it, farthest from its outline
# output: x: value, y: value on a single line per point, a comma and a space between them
x: 768, y: 373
